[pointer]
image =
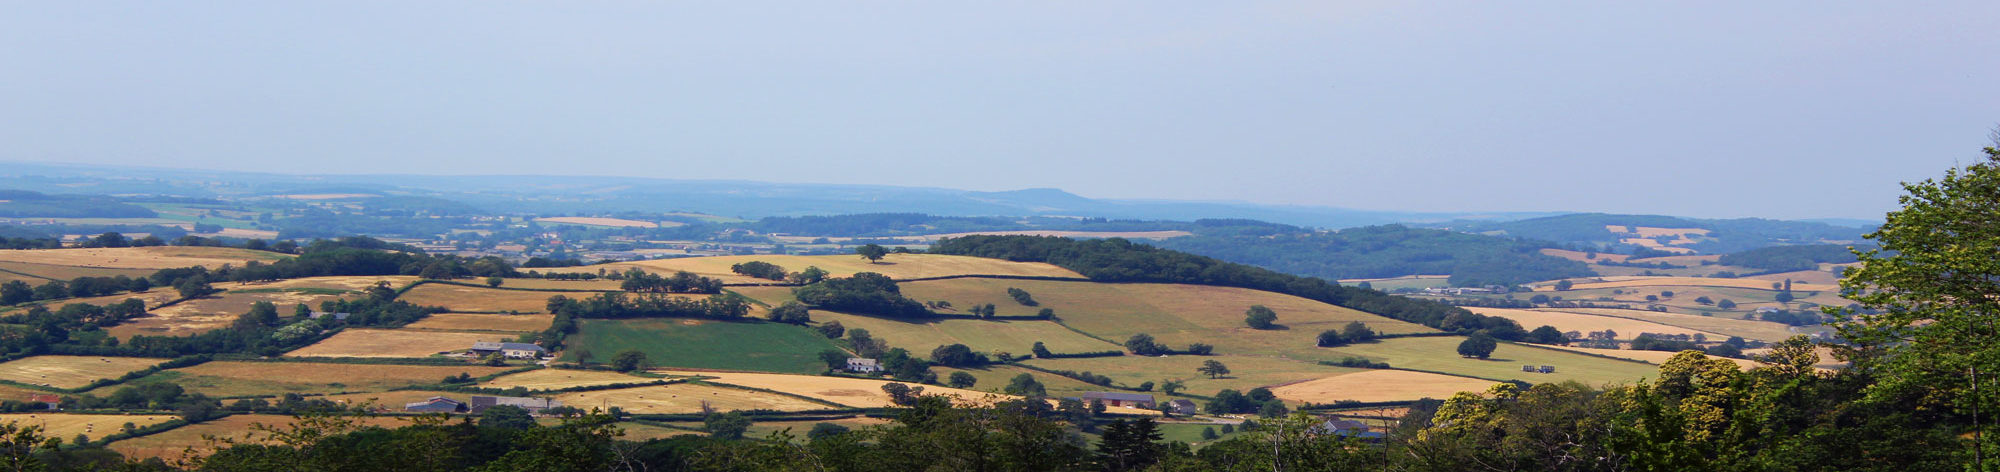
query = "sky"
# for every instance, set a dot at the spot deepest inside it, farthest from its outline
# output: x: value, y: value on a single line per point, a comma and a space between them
x: 1708, y: 109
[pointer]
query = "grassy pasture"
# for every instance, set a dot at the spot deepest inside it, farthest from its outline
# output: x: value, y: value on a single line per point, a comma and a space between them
x: 1379, y: 386
x: 865, y: 393
x: 762, y: 429
x: 231, y: 378
x: 1246, y: 372
x: 37, y: 274
x: 1627, y: 328
x: 1409, y: 282
x: 1015, y: 336
x: 994, y: 379
x: 171, y: 445
x: 462, y: 298
x: 707, y: 344
x: 66, y: 426
x: 148, y: 258
x: 1759, y: 330
x: 684, y: 398
x: 482, y: 322
x: 549, y: 379
x: 356, y: 342
x: 1644, y: 281
x: 1440, y: 354
x: 1652, y: 357
x: 71, y: 371
x: 636, y: 431
x: 899, y: 266
x: 1812, y: 277
x: 1174, y: 314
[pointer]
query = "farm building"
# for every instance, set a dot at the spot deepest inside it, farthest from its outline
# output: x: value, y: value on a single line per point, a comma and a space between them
x: 336, y: 316
x: 54, y: 402
x: 1345, y: 427
x: 533, y: 405
x: 861, y: 365
x: 1183, y: 406
x: 436, y: 405
x: 511, y: 350
x: 1130, y: 400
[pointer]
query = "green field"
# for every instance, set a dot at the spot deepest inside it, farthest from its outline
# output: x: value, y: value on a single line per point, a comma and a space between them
x: 1176, y: 315
x: 1440, y: 354
x: 1761, y: 330
x: 705, y: 344
x: 1015, y: 336
x: 995, y: 379
x: 1246, y: 372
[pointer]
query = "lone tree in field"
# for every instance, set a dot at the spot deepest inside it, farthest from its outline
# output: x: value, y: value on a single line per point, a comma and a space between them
x: 872, y: 252
x: 1562, y: 286
x: 1478, y: 345
x: 1260, y: 317
x: 961, y: 379
x: 628, y: 361
x: 1213, y: 369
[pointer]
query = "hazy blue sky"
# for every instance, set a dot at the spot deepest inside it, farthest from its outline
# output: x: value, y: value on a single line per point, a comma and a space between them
x: 1722, y: 109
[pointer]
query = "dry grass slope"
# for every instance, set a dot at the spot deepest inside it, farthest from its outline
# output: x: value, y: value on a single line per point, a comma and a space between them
x: 71, y: 371
x: 393, y: 343
x: 1378, y: 386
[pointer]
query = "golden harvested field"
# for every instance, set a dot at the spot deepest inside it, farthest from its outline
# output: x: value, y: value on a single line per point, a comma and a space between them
x: 215, y: 311
x: 1643, y: 281
x: 11, y: 392
x: 71, y: 371
x: 462, y: 298
x: 899, y: 266
x: 864, y: 393
x: 548, y: 284
x: 1380, y: 386
x: 1654, y: 357
x: 1758, y: 330
x: 1174, y: 314
x: 549, y: 379
x: 1246, y: 372
x: 685, y: 398
x: 1627, y: 328
x: 609, y: 222
x: 354, y: 342
x: 1583, y: 257
x: 233, y: 378
x: 388, y: 401
x: 157, y: 257
x: 1015, y: 336
x: 66, y: 426
x: 172, y: 444
x: 483, y: 322
x: 1651, y: 232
